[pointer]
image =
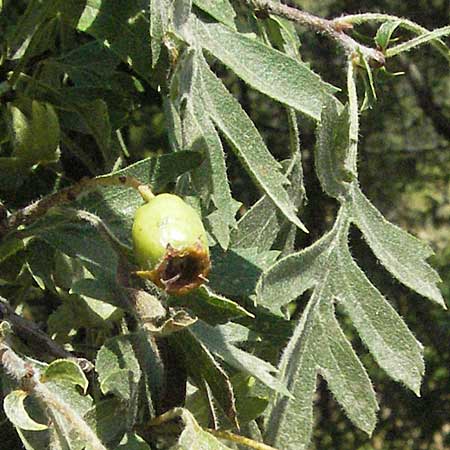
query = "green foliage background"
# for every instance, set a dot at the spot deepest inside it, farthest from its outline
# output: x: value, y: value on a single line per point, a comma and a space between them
x: 404, y: 167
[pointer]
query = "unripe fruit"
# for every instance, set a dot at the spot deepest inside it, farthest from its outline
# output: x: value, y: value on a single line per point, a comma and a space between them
x: 36, y: 132
x: 170, y: 244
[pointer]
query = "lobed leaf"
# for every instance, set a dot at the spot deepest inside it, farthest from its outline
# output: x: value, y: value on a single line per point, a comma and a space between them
x: 381, y: 328
x: 402, y: 254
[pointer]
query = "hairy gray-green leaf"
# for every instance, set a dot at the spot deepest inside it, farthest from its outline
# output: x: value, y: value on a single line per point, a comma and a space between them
x: 194, y: 437
x: 216, y: 342
x: 221, y: 10
x: 126, y: 28
x: 388, y: 338
x: 269, y: 71
x: 236, y: 272
x: 263, y: 225
x: 116, y: 354
x: 402, y: 254
x: 168, y: 167
x: 292, y: 275
x: 318, y: 345
x: 181, y: 10
x: 202, y: 367
x: 285, y: 36
x: 231, y: 119
x: 120, y: 383
x: 159, y: 19
x: 332, y: 149
x: 199, y: 133
x: 65, y: 370
x: 107, y: 418
x: 216, y: 169
x: 210, y: 307
x: 384, y: 33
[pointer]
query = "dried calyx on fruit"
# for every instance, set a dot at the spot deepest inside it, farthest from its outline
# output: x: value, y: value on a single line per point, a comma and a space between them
x: 170, y: 244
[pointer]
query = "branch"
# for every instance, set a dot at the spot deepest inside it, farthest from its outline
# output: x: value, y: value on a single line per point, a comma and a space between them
x: 176, y: 413
x: 403, y: 23
x: 105, y: 232
x: 28, y: 377
x: 30, y: 332
x: 37, y: 209
x: 336, y: 30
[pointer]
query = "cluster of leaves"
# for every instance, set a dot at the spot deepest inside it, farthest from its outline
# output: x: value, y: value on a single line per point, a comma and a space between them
x: 75, y: 72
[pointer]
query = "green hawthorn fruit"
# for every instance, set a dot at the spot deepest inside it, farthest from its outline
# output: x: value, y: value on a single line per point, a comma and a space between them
x: 170, y: 244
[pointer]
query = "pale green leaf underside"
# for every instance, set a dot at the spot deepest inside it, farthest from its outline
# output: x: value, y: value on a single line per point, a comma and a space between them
x: 66, y: 370
x: 16, y: 413
x: 332, y: 150
x: 194, y: 437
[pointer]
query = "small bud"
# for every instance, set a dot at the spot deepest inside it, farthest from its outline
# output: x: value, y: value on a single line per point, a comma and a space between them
x: 170, y: 244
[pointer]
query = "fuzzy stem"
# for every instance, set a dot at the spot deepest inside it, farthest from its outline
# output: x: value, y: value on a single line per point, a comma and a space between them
x: 30, y: 332
x: 106, y: 233
x: 28, y: 377
x: 419, y: 40
x: 47, y: 397
x: 403, y: 23
x: 37, y: 209
x: 176, y: 413
x: 354, y: 117
x: 329, y: 27
x: 242, y: 440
